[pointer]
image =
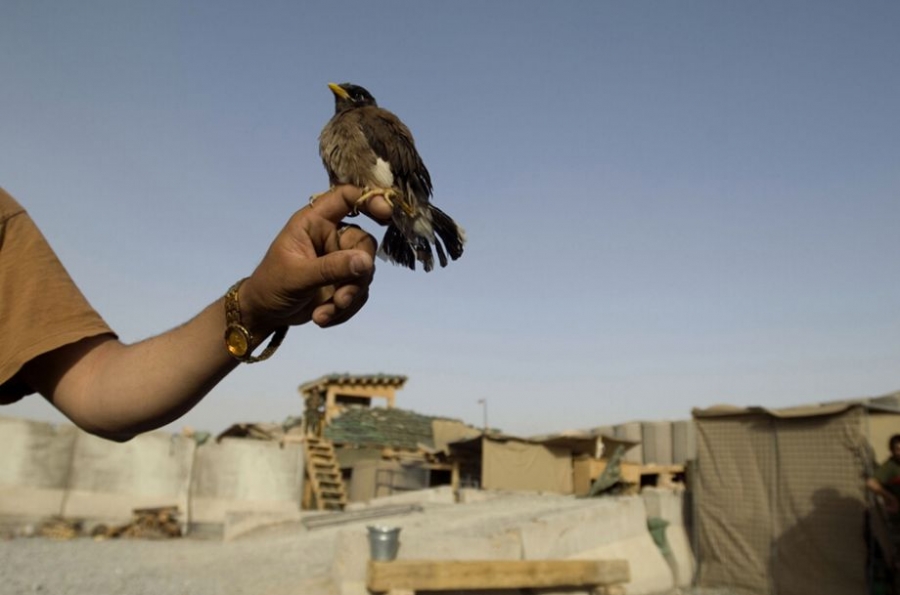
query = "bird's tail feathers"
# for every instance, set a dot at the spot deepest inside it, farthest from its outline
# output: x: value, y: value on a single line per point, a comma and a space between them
x: 447, y: 236
x: 453, y: 236
x: 395, y: 248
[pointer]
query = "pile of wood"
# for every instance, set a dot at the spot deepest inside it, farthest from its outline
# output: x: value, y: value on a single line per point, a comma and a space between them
x: 146, y: 523
x: 60, y: 528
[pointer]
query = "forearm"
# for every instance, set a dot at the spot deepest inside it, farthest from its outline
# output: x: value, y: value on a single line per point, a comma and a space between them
x: 316, y: 270
x: 875, y: 487
x: 117, y: 391
x: 887, y: 497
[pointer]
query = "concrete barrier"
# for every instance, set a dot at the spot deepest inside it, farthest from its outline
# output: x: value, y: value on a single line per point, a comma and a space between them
x: 237, y: 475
x: 631, y: 431
x: 241, y: 523
x: 108, y: 480
x: 52, y: 470
x: 669, y: 505
x: 684, y: 442
x: 34, y: 468
x: 474, y: 495
x: 656, y: 439
x: 606, y: 528
x: 351, y: 552
x: 609, y: 431
x: 438, y: 495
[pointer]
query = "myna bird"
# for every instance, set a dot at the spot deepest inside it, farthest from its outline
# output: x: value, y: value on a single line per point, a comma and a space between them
x: 370, y: 147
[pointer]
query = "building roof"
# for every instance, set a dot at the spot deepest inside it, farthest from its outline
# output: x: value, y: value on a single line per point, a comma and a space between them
x: 792, y: 412
x: 261, y: 430
x: 392, y: 380
x: 576, y: 442
x: 381, y: 427
x: 889, y: 403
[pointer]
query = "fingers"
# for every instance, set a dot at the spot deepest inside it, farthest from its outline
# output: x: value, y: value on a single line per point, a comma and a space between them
x: 317, y: 267
x: 347, y: 301
x: 337, y: 268
x: 314, y: 253
x: 349, y: 298
x: 339, y: 202
x: 352, y: 237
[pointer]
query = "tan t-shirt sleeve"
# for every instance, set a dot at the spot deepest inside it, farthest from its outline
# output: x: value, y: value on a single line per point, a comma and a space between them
x: 41, y: 308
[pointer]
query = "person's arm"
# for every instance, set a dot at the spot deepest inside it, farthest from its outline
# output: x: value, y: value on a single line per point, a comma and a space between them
x: 314, y: 270
x: 890, y: 501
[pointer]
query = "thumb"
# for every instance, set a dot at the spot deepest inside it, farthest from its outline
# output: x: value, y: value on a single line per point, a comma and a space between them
x: 339, y: 267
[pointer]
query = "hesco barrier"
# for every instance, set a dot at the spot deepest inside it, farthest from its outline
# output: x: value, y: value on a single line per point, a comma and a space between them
x: 52, y: 470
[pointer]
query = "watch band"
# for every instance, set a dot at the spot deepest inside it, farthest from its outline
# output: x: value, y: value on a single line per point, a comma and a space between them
x: 238, y: 339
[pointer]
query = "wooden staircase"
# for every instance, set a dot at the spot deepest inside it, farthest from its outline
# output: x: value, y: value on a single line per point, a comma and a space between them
x: 324, y: 486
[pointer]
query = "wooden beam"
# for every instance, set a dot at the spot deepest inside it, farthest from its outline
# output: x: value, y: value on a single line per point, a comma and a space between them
x: 377, y: 392
x: 442, y: 575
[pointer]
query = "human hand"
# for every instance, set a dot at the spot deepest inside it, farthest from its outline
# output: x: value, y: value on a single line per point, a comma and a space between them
x: 317, y: 268
x: 890, y: 503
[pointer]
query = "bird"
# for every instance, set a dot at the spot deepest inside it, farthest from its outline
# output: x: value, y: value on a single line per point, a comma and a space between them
x: 368, y: 146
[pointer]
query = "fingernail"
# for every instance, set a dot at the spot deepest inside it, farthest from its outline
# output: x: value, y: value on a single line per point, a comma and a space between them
x: 358, y: 264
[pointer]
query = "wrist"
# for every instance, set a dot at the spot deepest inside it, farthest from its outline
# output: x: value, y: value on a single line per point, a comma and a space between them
x: 253, y: 313
x: 244, y: 333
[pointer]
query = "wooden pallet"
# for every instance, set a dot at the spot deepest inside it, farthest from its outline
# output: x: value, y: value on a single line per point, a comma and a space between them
x: 325, y: 488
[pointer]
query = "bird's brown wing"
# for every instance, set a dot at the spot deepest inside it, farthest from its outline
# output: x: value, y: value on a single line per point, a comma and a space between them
x: 392, y: 141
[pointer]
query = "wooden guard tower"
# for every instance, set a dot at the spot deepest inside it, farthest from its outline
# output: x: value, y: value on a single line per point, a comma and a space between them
x: 325, y: 399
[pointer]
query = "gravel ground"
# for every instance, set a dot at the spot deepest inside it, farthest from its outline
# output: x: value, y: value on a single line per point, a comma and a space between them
x: 275, y: 564
x: 277, y: 560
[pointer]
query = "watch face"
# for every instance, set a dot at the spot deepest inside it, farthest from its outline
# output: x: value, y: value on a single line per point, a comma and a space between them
x: 236, y: 341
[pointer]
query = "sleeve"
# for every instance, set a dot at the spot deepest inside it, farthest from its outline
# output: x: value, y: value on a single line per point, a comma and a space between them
x: 41, y: 308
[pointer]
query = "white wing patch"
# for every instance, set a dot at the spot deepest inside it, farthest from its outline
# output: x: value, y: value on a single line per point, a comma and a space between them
x: 382, y: 174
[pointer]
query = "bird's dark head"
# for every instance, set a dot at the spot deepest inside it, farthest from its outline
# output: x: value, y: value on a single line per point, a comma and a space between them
x: 348, y: 96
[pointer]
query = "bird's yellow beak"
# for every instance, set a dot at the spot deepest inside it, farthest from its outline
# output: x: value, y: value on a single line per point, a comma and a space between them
x: 337, y: 90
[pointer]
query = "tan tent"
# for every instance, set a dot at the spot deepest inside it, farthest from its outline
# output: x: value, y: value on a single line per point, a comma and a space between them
x: 780, y: 499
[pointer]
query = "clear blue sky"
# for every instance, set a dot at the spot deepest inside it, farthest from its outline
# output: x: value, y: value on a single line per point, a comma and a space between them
x: 669, y: 204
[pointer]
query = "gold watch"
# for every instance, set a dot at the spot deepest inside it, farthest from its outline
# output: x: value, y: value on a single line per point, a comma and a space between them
x: 238, y: 339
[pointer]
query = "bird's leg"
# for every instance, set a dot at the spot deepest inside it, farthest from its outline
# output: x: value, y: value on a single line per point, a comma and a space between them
x: 389, y: 195
x: 315, y: 197
x: 407, y: 208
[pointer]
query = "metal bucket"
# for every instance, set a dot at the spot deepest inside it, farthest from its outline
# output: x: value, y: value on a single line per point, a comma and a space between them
x: 384, y: 542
